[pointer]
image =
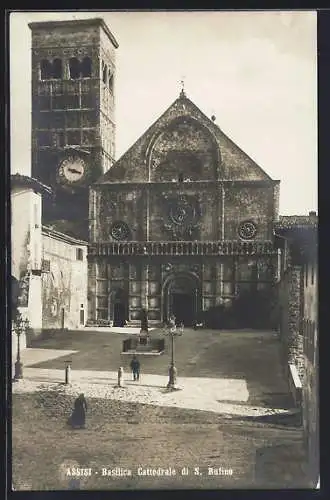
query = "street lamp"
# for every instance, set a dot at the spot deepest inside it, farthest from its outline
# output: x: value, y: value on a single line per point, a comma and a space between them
x: 172, y: 332
x: 20, y: 326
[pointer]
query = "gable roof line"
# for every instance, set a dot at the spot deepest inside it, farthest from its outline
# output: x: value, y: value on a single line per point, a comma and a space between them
x: 182, y: 97
x: 244, y: 153
x: 229, y: 139
x: 135, y: 142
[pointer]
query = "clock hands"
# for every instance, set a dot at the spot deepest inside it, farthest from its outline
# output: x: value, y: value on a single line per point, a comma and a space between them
x: 74, y: 171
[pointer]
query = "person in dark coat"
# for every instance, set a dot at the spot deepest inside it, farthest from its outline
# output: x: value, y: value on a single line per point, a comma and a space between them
x: 78, y: 417
x: 135, y: 366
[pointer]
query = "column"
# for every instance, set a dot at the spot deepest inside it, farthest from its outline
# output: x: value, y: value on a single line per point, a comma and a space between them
x: 219, y: 282
x: 110, y: 306
x: 92, y: 291
x: 144, y: 285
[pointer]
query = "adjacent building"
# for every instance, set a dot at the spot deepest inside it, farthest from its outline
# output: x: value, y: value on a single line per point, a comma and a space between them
x: 296, y: 237
x: 50, y: 267
x: 64, y: 280
x: 26, y: 244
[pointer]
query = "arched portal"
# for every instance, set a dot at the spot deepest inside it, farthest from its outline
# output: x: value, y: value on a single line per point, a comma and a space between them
x: 181, y: 297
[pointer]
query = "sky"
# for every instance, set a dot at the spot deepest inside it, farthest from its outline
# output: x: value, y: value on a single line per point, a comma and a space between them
x: 255, y: 71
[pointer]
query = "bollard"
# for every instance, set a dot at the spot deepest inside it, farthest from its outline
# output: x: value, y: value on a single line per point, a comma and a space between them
x: 120, y: 376
x: 67, y: 372
x: 172, y: 377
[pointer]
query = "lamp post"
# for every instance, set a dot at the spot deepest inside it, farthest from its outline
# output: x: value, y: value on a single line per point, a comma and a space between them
x: 172, y: 332
x: 20, y: 326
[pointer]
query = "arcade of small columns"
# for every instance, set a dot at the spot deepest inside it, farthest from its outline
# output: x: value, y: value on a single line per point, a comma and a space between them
x: 141, y: 274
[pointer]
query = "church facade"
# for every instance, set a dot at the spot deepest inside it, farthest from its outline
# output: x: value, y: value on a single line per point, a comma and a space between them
x: 181, y: 224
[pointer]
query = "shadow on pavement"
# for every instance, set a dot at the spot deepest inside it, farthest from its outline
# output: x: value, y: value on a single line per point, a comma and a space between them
x: 281, y: 466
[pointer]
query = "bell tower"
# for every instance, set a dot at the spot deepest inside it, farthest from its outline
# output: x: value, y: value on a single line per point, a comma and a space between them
x: 73, y: 114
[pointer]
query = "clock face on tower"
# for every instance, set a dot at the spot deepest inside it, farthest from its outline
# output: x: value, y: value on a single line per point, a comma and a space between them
x: 71, y: 170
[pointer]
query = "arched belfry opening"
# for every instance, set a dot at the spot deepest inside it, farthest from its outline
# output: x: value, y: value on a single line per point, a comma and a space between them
x: 181, y: 297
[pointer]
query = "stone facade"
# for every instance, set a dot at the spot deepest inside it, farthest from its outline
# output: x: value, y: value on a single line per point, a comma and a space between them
x: 183, y: 221
x: 298, y: 320
x: 64, y: 281
x: 26, y: 245
x: 73, y: 108
x: 311, y: 360
x: 290, y: 307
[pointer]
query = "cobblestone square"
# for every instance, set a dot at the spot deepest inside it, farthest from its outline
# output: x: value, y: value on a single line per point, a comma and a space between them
x: 233, y: 412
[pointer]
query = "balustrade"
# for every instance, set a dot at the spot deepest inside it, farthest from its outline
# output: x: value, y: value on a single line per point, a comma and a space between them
x: 182, y: 248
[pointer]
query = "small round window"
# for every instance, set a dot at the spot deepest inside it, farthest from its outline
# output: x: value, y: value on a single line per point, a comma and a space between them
x: 247, y: 230
x: 120, y: 231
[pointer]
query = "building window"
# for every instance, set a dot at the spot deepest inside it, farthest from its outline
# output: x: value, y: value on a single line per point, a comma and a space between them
x: 312, y: 274
x: 74, y: 67
x: 79, y: 254
x: 104, y: 75
x: 86, y: 68
x: 110, y: 82
x: 57, y: 69
x: 306, y: 274
x: 45, y: 69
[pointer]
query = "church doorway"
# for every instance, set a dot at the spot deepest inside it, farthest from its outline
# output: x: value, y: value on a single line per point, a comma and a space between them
x: 120, y: 308
x: 181, y: 298
x: 183, y: 308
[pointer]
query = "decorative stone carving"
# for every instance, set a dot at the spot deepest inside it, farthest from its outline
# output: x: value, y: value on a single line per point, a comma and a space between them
x: 196, y: 268
x: 183, y: 216
x: 167, y: 267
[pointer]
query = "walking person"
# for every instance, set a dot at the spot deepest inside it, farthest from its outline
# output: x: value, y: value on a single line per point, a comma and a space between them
x: 135, y: 367
x: 78, y: 417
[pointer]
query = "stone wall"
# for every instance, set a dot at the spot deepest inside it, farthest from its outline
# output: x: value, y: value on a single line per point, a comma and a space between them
x: 311, y: 356
x: 64, y: 285
x: 290, y: 307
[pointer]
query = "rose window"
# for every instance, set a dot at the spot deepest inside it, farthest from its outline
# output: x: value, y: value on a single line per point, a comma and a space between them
x: 247, y: 230
x: 120, y: 231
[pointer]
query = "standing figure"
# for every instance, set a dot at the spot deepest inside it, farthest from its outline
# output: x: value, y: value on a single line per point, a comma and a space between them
x: 78, y: 416
x: 135, y: 366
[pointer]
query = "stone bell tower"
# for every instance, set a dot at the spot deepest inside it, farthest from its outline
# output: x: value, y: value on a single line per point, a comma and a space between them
x: 73, y: 114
